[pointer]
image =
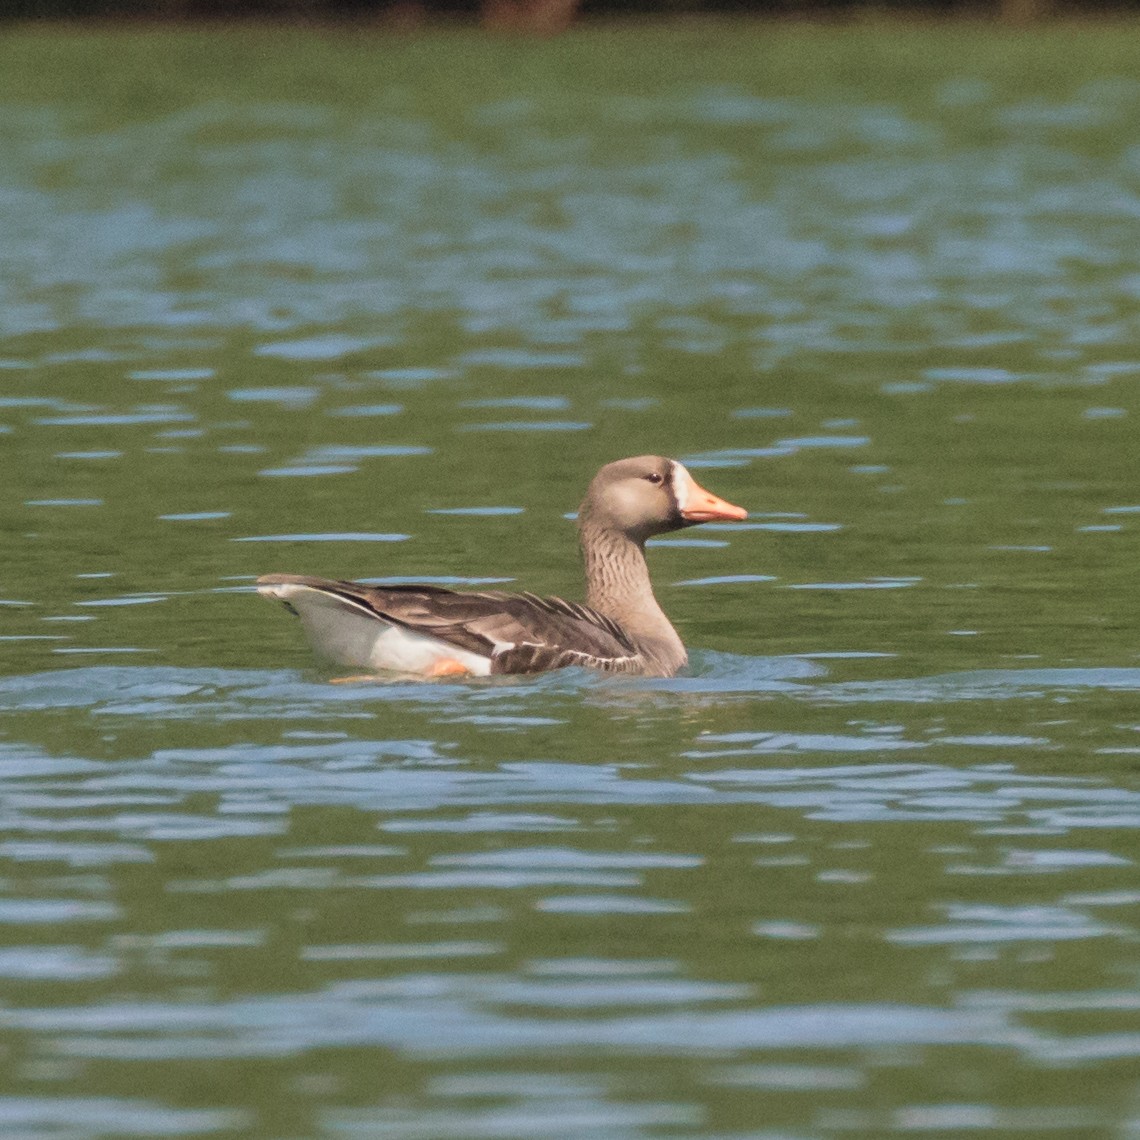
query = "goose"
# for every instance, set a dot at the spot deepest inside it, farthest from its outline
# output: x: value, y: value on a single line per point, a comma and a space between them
x: 436, y: 632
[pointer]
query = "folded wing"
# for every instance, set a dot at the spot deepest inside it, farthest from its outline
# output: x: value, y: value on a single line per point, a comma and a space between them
x: 518, y: 633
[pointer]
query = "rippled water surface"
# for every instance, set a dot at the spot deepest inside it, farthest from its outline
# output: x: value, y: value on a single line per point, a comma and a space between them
x: 377, y: 306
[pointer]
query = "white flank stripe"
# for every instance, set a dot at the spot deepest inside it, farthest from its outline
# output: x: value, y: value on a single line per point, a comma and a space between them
x: 346, y: 635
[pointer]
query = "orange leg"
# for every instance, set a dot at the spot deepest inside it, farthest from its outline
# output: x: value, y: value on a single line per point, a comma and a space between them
x: 444, y: 667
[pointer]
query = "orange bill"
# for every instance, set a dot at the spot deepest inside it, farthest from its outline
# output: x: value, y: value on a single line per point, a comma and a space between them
x: 698, y: 505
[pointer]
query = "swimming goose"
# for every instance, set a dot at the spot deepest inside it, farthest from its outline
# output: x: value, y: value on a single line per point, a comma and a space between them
x: 438, y: 632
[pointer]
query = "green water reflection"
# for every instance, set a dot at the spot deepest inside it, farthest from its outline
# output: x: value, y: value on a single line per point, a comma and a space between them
x: 378, y: 306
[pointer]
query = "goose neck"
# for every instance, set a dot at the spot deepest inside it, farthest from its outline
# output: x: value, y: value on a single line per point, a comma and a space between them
x: 618, y: 585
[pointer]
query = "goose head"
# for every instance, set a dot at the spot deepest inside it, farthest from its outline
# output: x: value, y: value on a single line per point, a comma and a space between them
x: 650, y: 495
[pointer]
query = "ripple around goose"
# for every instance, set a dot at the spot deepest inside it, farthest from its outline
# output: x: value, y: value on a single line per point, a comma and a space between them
x: 433, y: 631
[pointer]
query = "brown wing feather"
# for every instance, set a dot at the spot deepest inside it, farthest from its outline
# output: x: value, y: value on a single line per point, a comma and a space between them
x: 528, y: 657
x: 521, y: 633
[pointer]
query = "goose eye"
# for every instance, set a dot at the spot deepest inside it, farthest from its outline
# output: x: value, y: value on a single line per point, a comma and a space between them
x: 656, y: 479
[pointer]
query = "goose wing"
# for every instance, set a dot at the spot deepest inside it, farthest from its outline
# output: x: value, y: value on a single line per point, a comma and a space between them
x: 520, y: 633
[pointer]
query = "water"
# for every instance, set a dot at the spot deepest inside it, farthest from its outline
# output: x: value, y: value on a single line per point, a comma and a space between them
x: 378, y: 307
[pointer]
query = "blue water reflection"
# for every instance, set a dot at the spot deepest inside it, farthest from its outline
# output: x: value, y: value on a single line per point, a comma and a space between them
x: 866, y: 868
